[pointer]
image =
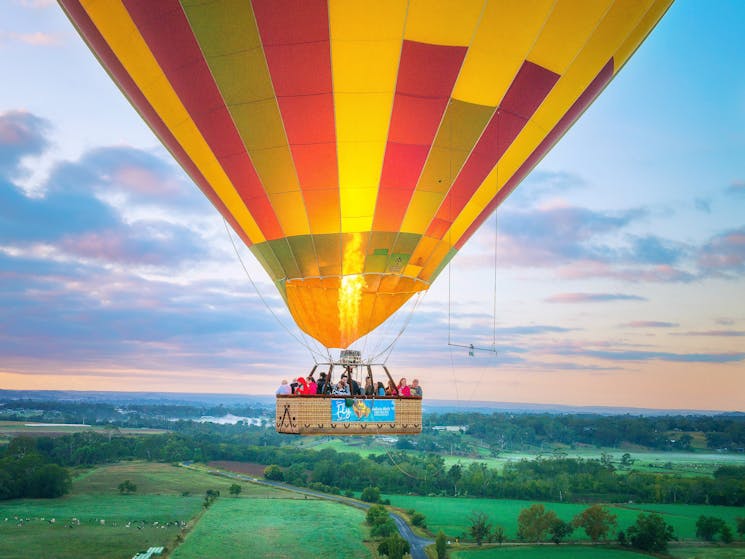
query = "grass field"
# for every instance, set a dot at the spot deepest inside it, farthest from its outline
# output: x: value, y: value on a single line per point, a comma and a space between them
x: 239, y: 528
x: 547, y: 552
x: 708, y: 552
x: 129, y: 521
x: 16, y: 428
x: 450, y: 514
x: 700, y: 462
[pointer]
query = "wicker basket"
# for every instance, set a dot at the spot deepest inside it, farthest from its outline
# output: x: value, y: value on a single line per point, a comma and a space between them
x: 333, y: 415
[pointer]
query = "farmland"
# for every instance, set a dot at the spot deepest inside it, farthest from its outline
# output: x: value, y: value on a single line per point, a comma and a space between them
x: 96, y: 521
x: 450, y: 514
x: 238, y: 528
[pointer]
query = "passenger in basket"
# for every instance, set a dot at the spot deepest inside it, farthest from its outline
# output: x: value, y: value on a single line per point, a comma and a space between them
x: 391, y: 389
x: 321, y: 389
x: 342, y: 388
x: 284, y: 388
x: 302, y: 387
x: 369, y: 387
x: 416, y: 390
x: 403, y: 388
x: 380, y: 389
x: 312, y: 386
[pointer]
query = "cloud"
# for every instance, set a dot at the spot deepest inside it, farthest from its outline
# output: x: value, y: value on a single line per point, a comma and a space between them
x: 716, y: 333
x: 540, y: 185
x: 22, y: 134
x: 736, y: 188
x: 702, y: 205
x: 650, y: 324
x: 666, y: 356
x: 724, y: 254
x: 36, y: 4
x: 592, y: 298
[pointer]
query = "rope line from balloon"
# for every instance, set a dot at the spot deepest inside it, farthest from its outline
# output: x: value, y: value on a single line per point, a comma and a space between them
x: 263, y: 300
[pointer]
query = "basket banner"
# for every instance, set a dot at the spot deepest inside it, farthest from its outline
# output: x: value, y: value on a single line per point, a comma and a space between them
x: 362, y: 410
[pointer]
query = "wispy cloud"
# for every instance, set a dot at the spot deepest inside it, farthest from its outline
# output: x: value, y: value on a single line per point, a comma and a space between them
x: 36, y: 39
x: 592, y: 298
x: 650, y: 324
x: 736, y: 188
x: 22, y: 134
x: 724, y: 254
x: 716, y: 333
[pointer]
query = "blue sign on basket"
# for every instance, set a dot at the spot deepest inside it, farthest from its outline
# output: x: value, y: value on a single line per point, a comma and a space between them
x: 374, y: 411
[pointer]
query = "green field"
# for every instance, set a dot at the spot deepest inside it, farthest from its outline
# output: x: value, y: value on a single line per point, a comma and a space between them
x: 110, y: 525
x: 239, y: 528
x: 684, y: 463
x: 546, y: 551
x: 96, y: 521
x: 16, y: 428
x: 708, y: 552
x: 450, y: 514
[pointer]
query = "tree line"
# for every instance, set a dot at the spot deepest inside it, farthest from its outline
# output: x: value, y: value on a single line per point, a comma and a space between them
x: 548, y: 479
x: 509, y: 431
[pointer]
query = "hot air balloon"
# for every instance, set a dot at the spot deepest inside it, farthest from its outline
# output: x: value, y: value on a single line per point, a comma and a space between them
x: 356, y: 146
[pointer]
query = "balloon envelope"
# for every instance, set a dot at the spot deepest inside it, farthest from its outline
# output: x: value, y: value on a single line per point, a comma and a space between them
x: 355, y: 146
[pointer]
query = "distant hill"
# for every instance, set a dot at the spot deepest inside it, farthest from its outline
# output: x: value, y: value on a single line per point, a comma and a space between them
x: 267, y: 401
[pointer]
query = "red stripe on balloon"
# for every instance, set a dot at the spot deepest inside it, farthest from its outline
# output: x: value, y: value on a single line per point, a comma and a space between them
x: 580, y: 105
x: 426, y: 76
x: 109, y: 60
x: 526, y: 93
x: 295, y: 35
x: 167, y: 33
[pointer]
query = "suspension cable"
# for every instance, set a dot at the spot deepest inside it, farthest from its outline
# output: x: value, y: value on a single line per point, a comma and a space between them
x: 263, y: 300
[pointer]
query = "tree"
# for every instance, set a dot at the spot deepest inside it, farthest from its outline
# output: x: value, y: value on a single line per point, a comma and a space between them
x: 441, y: 545
x: 741, y: 525
x: 394, y: 546
x: 596, y: 521
x: 560, y: 530
x: 376, y: 514
x: 650, y: 532
x: 49, y: 481
x: 534, y: 523
x: 480, y: 526
x: 127, y: 487
x: 707, y: 527
x: 274, y: 473
x: 498, y: 535
x: 235, y: 489
x: 418, y: 519
x: 370, y: 495
x: 726, y: 533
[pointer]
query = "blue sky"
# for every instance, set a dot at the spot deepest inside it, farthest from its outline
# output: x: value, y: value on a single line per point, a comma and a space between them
x: 620, y: 276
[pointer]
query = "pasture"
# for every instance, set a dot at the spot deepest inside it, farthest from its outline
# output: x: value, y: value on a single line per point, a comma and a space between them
x: 9, y: 429
x: 450, y: 514
x: 546, y: 552
x: 700, y: 462
x: 94, y: 520
x: 285, y: 528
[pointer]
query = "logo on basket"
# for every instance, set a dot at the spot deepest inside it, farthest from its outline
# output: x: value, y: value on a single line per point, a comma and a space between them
x: 345, y: 410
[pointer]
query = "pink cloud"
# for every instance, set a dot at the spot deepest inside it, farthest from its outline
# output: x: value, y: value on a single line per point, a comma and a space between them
x: 37, y: 39
x: 650, y: 324
x: 591, y: 297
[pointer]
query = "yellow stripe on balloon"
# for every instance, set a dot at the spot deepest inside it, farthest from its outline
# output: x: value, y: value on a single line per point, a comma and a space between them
x: 365, y: 52
x: 124, y: 39
x: 653, y: 15
x: 498, y: 51
x: 566, y: 31
x: 608, y: 36
x: 443, y: 22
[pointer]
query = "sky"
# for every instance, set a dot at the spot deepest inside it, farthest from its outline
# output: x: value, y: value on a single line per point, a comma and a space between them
x: 620, y: 260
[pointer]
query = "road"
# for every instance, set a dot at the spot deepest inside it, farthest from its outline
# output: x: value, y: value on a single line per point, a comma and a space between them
x: 416, y: 543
